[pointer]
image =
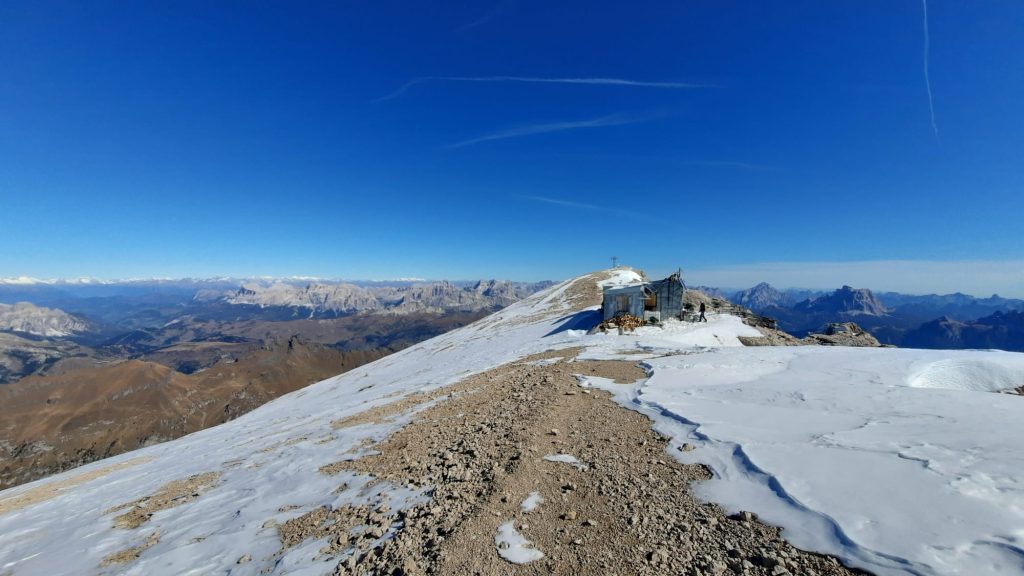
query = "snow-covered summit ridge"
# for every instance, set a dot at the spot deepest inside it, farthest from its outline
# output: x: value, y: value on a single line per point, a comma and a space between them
x: 268, y: 460
x: 620, y: 277
x: 878, y: 456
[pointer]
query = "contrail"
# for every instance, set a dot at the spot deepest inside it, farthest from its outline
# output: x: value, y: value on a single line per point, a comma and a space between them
x: 529, y: 130
x: 927, y: 80
x: 579, y: 205
x: 596, y: 81
x: 730, y: 164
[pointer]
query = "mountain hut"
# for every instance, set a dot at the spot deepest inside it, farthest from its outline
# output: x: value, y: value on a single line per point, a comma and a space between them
x: 652, y: 300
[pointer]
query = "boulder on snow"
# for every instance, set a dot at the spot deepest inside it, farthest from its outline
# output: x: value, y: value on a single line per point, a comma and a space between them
x: 843, y: 334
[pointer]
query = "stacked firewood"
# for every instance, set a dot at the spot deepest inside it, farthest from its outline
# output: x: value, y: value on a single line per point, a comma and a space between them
x: 627, y: 322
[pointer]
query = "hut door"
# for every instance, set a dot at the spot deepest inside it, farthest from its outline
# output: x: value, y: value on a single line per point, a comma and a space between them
x: 622, y: 304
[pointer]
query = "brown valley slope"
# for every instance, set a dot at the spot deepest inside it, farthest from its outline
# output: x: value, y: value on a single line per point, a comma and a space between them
x: 58, y: 421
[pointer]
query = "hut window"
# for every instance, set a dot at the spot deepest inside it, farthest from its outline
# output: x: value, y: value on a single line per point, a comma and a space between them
x: 651, y: 301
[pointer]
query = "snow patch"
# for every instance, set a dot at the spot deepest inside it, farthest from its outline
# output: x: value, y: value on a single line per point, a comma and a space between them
x: 512, y: 546
x: 670, y: 337
x: 989, y: 374
x: 621, y: 278
x: 594, y: 381
x: 566, y: 459
x: 531, y: 502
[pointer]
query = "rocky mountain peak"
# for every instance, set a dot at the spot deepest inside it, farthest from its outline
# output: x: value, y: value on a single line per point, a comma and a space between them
x: 846, y: 301
x: 760, y: 297
x: 47, y: 322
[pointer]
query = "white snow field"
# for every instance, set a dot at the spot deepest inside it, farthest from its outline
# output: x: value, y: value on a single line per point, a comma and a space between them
x: 896, y: 461
x: 856, y: 451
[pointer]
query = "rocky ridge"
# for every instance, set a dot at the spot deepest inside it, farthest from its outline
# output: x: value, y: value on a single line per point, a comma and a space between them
x: 22, y: 356
x: 626, y: 509
x: 27, y: 318
x: 842, y: 334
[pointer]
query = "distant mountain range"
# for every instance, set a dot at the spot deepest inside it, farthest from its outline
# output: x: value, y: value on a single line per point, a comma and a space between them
x: 92, y: 368
x: 923, y: 321
x: 114, y: 302
x: 344, y: 298
x: 190, y: 324
x: 1002, y: 330
x: 89, y: 281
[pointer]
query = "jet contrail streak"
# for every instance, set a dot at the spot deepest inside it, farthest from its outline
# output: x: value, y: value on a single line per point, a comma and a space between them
x: 533, y: 79
x: 927, y: 80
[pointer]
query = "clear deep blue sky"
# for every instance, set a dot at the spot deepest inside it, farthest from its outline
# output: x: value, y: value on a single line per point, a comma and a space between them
x: 216, y: 138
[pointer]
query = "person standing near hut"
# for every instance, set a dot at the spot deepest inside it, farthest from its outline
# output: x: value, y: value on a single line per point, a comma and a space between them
x: 702, y: 318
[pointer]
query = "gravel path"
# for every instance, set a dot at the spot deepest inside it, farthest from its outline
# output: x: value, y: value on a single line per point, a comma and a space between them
x: 624, y: 508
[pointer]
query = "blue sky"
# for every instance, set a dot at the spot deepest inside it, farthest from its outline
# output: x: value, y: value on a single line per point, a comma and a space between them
x: 513, y: 139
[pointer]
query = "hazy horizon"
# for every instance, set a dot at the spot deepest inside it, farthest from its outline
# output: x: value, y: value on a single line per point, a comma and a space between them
x: 972, y: 278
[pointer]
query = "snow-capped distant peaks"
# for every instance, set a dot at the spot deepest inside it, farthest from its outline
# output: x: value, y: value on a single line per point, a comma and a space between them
x: 30, y: 281
x: 21, y: 281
